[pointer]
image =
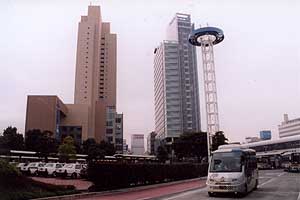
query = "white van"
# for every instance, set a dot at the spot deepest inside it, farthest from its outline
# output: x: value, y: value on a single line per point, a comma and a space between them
x: 232, y: 169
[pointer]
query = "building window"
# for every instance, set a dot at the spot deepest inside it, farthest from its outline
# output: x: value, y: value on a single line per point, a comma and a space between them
x: 109, y: 123
x: 118, y: 120
x: 109, y: 130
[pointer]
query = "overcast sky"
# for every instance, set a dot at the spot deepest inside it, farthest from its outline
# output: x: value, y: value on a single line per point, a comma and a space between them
x: 257, y: 64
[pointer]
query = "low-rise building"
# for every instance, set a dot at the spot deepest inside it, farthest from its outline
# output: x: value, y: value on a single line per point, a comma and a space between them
x: 289, y: 127
x: 252, y: 139
x: 49, y: 113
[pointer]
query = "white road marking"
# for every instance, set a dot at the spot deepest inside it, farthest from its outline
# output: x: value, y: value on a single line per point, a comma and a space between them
x: 185, y: 193
x: 272, y: 179
x: 145, y: 198
x: 298, y: 196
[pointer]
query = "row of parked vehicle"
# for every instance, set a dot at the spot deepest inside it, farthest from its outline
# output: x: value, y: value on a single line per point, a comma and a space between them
x: 72, y: 170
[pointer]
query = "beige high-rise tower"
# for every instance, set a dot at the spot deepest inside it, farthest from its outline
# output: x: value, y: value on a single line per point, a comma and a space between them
x: 93, y: 114
x: 95, y: 82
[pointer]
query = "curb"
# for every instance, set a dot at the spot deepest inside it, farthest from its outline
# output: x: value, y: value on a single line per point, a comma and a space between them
x: 118, y: 191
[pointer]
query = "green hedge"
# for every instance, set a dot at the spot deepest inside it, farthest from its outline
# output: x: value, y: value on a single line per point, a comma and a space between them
x: 15, y: 186
x: 120, y: 175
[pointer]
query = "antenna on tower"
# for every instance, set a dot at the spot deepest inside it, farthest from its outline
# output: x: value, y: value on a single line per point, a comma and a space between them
x: 90, y: 3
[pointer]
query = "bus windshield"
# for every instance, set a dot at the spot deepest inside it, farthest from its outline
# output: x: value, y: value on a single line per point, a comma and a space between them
x: 226, y: 162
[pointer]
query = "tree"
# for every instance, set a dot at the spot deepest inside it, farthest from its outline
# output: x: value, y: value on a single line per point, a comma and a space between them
x: 67, y: 149
x: 95, y: 150
x: 11, y: 139
x: 190, y: 145
x: 108, y: 148
x: 218, y: 139
x: 87, y: 144
x: 162, y: 154
x: 41, y: 142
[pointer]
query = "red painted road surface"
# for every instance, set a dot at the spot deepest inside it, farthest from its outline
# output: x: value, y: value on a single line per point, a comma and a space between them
x: 151, y: 193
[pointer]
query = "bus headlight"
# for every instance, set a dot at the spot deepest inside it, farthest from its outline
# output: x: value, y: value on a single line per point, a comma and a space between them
x: 211, y: 180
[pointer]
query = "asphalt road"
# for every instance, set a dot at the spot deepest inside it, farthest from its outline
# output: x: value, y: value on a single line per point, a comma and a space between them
x: 273, y: 185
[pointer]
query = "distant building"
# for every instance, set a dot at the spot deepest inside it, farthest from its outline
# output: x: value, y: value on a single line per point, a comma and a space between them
x: 119, y: 133
x: 151, y: 143
x: 176, y: 92
x: 252, y: 139
x: 125, y: 147
x: 289, y: 127
x: 137, y: 144
x: 265, y: 135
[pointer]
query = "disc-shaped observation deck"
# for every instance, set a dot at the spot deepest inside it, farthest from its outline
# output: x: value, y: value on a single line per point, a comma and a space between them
x: 200, y: 36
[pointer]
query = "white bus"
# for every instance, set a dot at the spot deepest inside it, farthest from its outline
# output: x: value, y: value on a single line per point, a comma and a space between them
x: 232, y: 169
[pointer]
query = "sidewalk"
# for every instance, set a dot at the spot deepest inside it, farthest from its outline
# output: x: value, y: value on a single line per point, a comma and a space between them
x: 138, y: 193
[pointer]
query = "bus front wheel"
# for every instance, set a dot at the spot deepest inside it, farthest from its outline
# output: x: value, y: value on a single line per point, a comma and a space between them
x: 211, y: 194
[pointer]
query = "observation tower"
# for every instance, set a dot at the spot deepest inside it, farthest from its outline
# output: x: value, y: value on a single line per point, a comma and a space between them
x: 206, y: 37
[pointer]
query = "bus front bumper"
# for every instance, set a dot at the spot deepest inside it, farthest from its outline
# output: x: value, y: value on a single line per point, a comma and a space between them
x: 240, y: 187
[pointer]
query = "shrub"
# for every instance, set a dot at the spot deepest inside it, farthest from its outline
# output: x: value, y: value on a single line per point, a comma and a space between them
x: 121, y: 175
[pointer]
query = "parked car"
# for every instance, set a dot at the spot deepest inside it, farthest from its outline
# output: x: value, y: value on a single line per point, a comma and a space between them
x: 31, y: 168
x: 72, y: 170
x: 21, y: 165
x: 49, y: 169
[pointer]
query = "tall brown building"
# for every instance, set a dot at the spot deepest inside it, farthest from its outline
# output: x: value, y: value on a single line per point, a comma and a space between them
x: 95, y: 82
x: 93, y: 114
